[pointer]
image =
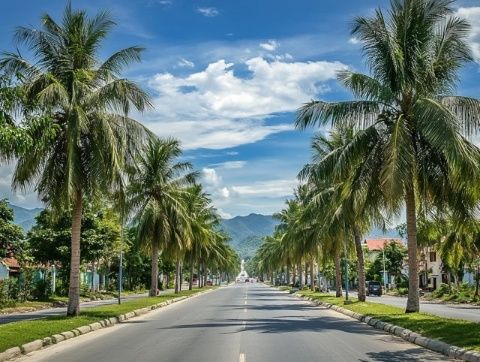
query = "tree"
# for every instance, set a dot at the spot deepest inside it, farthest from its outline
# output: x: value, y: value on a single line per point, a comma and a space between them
x: 394, y: 258
x: 156, y: 191
x: 89, y: 103
x: 10, y: 234
x: 414, y: 54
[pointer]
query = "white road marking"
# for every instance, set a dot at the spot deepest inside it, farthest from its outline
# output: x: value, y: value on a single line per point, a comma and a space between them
x: 244, y: 323
x: 242, y: 358
x: 245, y: 302
x: 245, y: 310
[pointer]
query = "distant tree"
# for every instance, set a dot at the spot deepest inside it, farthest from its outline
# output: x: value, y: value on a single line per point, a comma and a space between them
x: 10, y: 233
x: 394, y: 259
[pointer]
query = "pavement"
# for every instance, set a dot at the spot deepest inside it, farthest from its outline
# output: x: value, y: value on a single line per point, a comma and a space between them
x: 238, y: 323
x: 458, y: 311
x: 48, y: 312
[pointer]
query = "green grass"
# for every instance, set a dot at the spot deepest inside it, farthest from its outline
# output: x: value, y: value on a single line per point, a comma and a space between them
x: 458, y: 332
x: 18, y: 333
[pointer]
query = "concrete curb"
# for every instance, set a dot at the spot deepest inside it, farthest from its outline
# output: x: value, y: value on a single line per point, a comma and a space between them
x: 38, y: 344
x: 406, y: 334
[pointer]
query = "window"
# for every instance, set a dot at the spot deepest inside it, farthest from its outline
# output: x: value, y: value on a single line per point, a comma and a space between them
x: 433, y: 256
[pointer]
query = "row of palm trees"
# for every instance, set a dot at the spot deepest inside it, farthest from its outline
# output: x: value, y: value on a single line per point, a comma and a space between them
x: 65, y: 123
x: 402, y: 143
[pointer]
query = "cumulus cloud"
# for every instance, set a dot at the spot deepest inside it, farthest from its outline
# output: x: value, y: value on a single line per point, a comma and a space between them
x: 215, y: 108
x: 270, y: 45
x: 472, y: 14
x: 353, y: 40
x: 211, y: 177
x: 225, y: 192
x: 208, y: 12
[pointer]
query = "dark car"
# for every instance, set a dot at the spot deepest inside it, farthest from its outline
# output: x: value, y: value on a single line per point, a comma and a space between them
x: 373, y: 288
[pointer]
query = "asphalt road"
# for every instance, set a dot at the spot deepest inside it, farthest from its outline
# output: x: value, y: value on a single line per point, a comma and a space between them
x: 48, y: 312
x: 240, y: 323
x: 459, y: 311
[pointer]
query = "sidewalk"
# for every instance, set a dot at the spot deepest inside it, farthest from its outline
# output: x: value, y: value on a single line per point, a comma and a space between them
x: 457, y: 311
x: 43, y: 313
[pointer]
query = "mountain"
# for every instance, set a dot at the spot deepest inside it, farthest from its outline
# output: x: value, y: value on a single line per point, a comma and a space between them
x: 246, y: 232
x: 25, y: 217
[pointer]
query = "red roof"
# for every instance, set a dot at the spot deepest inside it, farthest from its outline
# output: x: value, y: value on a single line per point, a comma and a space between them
x: 11, y: 263
x: 378, y: 244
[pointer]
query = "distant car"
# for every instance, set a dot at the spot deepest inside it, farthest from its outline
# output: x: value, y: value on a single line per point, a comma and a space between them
x: 373, y: 288
x: 209, y: 283
x: 247, y: 280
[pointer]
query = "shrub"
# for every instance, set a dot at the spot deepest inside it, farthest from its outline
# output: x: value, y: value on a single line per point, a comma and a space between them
x: 441, y: 291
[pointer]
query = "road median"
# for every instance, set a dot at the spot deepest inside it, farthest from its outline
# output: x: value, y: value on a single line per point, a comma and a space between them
x: 23, y: 337
x: 454, y: 338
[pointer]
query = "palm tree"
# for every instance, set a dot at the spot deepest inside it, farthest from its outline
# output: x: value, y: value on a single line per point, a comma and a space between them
x: 414, y: 54
x: 88, y: 102
x: 156, y: 193
x: 354, y: 201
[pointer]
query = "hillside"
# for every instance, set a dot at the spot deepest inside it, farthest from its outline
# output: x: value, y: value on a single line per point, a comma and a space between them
x: 246, y: 232
x: 25, y: 217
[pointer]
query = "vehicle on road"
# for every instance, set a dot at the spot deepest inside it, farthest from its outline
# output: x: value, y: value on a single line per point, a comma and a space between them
x: 373, y: 288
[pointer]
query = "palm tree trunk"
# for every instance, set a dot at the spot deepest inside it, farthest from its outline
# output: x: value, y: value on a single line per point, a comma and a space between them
x: 190, y: 280
x: 360, y: 266
x: 413, y: 302
x: 73, y: 308
x: 154, y: 270
x: 312, y: 276
x: 300, y: 272
x: 338, y: 274
x: 477, y: 283
x: 294, y: 276
x: 177, y: 276
x: 288, y: 273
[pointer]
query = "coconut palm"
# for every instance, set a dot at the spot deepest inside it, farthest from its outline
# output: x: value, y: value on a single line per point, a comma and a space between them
x: 352, y: 201
x: 414, y: 54
x: 156, y: 192
x: 89, y: 103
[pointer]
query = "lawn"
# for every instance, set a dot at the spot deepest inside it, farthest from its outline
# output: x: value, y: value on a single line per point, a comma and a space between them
x: 18, y: 333
x: 458, y: 332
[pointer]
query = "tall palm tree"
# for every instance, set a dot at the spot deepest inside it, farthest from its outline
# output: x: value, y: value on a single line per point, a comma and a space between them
x: 156, y: 192
x: 89, y: 103
x: 414, y: 54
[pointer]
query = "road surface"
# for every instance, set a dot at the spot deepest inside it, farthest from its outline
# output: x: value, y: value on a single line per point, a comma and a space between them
x: 43, y: 313
x: 239, y: 323
x: 458, y: 311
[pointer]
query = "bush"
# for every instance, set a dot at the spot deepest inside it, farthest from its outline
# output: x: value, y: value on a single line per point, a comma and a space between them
x: 441, y: 291
x: 402, y: 291
x: 42, y: 289
x: 9, y: 292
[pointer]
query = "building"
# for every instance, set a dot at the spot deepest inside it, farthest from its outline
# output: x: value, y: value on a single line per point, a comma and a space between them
x: 9, y: 267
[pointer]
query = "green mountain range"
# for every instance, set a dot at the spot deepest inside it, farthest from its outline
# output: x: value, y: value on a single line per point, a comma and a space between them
x: 25, y: 217
x: 246, y: 232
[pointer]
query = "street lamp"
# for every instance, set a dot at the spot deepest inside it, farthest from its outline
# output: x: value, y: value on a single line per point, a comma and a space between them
x: 346, y: 275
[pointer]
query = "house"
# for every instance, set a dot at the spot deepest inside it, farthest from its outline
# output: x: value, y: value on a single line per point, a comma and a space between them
x: 430, y: 269
x: 375, y: 246
x: 9, y: 267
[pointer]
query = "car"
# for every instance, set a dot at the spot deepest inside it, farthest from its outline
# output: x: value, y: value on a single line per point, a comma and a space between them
x: 247, y: 280
x: 373, y: 288
x: 209, y: 283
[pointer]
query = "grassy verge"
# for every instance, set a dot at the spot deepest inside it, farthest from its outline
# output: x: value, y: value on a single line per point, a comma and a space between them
x: 458, y: 332
x: 18, y: 333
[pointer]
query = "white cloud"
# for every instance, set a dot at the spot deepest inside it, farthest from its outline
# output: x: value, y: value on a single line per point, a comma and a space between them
x: 223, y: 214
x: 270, y: 45
x: 272, y: 188
x: 225, y: 192
x: 472, y: 14
x: 215, y: 108
x: 184, y: 63
x: 208, y: 12
x: 354, y: 40
x: 211, y: 177
x: 232, y: 164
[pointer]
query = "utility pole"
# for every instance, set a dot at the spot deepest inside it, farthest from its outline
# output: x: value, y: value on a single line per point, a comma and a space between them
x: 346, y: 275
x: 384, y: 269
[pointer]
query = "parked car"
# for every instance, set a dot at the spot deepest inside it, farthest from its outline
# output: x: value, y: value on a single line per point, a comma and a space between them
x: 247, y: 280
x: 373, y: 288
x: 209, y: 283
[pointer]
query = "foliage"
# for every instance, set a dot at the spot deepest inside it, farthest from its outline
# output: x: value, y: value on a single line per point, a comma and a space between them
x: 394, y: 258
x: 10, y: 234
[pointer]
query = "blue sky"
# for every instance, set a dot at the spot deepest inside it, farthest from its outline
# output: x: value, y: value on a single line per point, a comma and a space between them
x: 226, y: 78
